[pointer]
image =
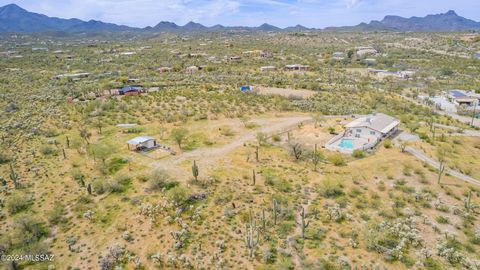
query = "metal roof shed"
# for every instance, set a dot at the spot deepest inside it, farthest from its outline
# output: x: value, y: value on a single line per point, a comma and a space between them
x: 142, y: 142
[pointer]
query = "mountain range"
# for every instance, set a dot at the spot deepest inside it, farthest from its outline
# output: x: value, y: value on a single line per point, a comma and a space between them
x: 444, y: 22
x: 14, y: 19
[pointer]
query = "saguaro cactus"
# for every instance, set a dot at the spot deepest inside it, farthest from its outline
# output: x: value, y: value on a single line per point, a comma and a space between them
x: 82, y: 181
x: 256, y: 153
x: 68, y: 142
x: 14, y: 177
x: 264, y: 221
x: 303, y: 223
x: 252, y: 236
x: 89, y: 189
x: 274, y: 211
x: 254, y: 177
x: 468, y: 202
x: 195, y: 170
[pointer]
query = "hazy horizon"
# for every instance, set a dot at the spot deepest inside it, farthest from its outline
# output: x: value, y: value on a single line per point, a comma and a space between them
x: 282, y: 13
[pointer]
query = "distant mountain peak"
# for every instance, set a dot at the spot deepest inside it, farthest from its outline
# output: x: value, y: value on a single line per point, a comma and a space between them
x: 12, y: 7
x: 451, y: 12
x: 192, y: 23
x: 268, y: 27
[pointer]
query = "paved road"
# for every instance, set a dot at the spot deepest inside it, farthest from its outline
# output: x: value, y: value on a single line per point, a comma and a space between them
x: 407, y: 137
x: 421, y: 156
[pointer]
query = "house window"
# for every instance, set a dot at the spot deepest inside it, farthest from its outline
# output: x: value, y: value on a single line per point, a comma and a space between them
x: 359, y: 131
x: 372, y: 132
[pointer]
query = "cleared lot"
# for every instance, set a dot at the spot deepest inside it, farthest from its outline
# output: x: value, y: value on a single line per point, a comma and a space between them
x: 285, y: 92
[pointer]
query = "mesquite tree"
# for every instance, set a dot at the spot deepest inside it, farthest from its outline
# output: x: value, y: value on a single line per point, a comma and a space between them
x: 297, y: 150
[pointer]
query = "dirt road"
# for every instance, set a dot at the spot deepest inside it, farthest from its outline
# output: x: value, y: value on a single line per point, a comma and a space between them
x: 208, y: 157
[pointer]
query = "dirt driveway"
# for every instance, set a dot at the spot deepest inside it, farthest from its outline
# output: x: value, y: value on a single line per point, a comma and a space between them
x: 208, y: 157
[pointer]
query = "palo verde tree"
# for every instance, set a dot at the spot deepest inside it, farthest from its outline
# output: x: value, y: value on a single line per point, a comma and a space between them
x: 179, y: 135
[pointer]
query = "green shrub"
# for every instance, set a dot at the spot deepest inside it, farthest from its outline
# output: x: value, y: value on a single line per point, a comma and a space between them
x: 227, y: 131
x: 177, y: 195
x: 358, y: 153
x: 276, y: 138
x: 160, y: 179
x: 442, y: 220
x: 18, y: 203
x: 115, y: 164
x: 28, y: 230
x: 116, y: 185
x: 57, y: 214
x: 47, y: 150
x: 272, y: 179
x: 4, y: 158
x: 337, y: 160
x: 331, y: 189
x: 387, y: 143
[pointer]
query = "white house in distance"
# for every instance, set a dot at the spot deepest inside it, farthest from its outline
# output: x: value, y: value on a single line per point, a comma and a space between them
x: 142, y: 143
x: 466, y: 99
x: 364, y: 133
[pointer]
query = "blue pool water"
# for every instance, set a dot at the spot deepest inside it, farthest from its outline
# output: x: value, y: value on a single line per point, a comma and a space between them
x: 346, y: 143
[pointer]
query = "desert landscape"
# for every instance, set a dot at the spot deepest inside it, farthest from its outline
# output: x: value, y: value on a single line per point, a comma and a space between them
x: 239, y: 149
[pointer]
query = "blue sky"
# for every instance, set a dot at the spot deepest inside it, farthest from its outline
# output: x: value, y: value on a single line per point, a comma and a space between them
x: 311, y: 13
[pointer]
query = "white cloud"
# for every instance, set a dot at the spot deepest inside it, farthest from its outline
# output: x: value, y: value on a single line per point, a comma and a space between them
x: 351, y: 3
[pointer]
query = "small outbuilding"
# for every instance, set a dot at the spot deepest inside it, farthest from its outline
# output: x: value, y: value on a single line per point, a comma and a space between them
x: 130, y: 90
x: 142, y: 143
x: 297, y: 67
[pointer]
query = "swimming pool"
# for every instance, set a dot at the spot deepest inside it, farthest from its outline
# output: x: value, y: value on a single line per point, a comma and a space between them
x: 346, y: 144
